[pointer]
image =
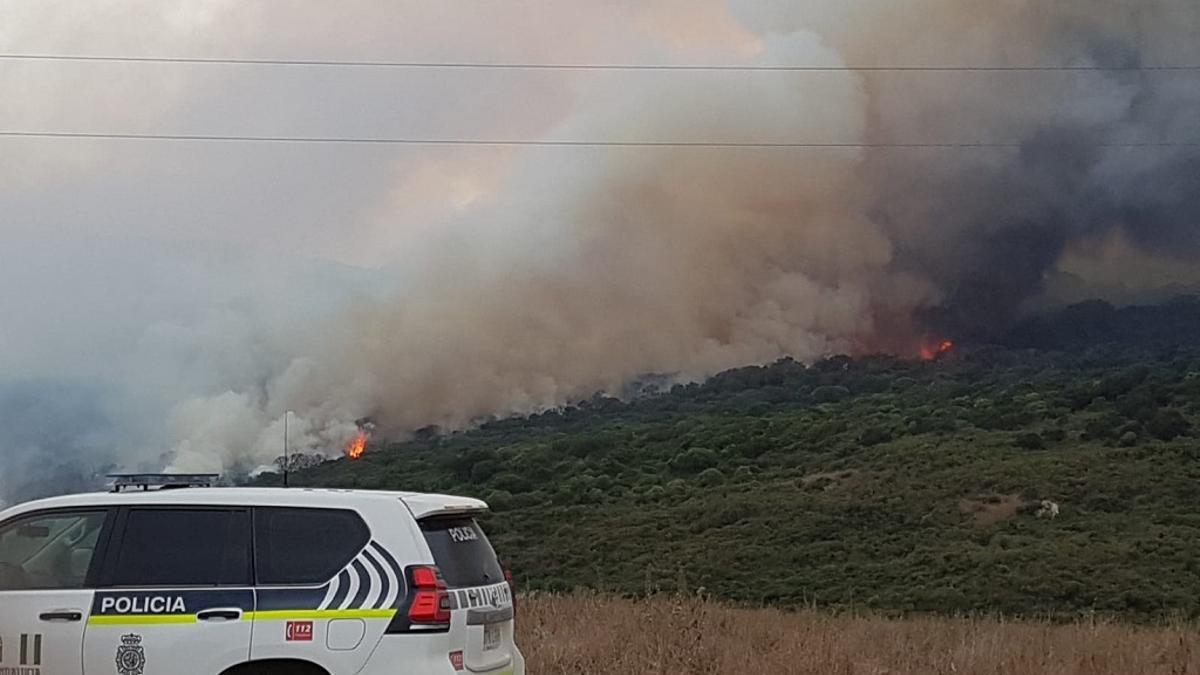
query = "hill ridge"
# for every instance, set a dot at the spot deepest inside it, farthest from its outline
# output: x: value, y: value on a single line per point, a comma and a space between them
x: 878, y: 482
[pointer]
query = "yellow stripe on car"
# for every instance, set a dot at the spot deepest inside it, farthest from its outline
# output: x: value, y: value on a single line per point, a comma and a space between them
x: 322, y: 614
x: 139, y: 619
x: 273, y: 615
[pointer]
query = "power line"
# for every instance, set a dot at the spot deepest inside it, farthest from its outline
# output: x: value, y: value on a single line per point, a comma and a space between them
x: 470, y: 65
x: 541, y: 143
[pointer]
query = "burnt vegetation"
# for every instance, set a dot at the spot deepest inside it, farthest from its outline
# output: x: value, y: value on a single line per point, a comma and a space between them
x: 875, y: 483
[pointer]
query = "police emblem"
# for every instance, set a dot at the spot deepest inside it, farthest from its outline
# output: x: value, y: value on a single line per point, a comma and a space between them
x: 131, y: 658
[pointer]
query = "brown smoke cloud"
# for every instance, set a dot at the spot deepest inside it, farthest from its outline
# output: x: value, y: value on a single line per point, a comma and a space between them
x: 573, y: 271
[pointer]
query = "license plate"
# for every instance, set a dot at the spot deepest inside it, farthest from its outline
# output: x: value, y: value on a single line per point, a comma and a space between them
x: 491, y: 636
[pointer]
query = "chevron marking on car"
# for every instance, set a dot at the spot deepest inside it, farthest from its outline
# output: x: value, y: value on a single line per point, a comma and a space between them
x: 373, y: 580
x: 371, y: 586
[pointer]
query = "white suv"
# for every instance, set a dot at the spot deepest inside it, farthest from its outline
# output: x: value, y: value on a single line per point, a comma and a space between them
x: 248, y: 581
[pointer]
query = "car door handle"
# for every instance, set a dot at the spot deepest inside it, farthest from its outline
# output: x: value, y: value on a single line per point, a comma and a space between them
x: 62, y: 615
x: 224, y: 614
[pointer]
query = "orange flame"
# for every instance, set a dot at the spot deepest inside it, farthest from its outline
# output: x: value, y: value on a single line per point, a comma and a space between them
x: 358, y: 446
x: 932, y: 350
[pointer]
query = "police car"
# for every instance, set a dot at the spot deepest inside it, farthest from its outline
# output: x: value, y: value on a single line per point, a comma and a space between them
x: 250, y: 581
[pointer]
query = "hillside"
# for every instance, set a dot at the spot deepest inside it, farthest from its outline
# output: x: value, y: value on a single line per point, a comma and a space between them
x: 872, y: 483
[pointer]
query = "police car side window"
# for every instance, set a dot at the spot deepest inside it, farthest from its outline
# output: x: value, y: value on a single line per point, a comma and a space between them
x: 184, y: 547
x: 51, y: 551
x: 305, y: 546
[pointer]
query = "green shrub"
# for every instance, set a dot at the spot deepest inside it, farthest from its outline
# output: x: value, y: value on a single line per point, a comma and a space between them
x: 1030, y: 441
x: 483, y: 470
x: 499, y: 500
x: 874, y: 435
x: 694, y: 460
x: 830, y: 394
x: 1168, y: 424
x: 1055, y: 435
x: 511, y: 482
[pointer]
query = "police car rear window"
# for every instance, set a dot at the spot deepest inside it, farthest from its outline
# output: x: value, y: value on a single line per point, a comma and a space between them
x: 305, y: 546
x: 462, y: 552
x: 184, y: 547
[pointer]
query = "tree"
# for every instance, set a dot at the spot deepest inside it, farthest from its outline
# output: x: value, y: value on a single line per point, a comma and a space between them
x: 1030, y: 441
x: 874, y: 435
x: 298, y: 461
x: 830, y: 394
x: 694, y: 460
x: 1167, y: 424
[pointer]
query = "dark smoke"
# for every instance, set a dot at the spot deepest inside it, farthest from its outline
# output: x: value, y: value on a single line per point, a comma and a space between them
x: 989, y: 226
x: 1003, y: 227
x: 55, y: 438
x: 1011, y: 225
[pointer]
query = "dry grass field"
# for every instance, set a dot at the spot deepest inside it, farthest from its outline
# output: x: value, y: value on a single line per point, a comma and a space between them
x: 587, y: 634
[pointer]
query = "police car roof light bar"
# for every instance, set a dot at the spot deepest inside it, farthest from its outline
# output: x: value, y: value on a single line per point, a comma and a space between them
x: 161, y: 481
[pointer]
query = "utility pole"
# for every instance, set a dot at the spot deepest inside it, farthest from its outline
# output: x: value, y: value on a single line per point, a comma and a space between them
x: 286, y: 460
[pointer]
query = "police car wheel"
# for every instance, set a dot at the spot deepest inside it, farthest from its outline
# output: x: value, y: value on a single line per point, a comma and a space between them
x: 277, y: 668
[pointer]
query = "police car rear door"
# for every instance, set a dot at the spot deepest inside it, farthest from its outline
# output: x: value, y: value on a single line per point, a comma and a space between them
x: 323, y: 592
x: 174, y: 593
x: 46, y: 566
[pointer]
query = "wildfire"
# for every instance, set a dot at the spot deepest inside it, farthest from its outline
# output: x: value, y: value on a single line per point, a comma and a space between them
x: 356, y: 447
x: 934, y: 349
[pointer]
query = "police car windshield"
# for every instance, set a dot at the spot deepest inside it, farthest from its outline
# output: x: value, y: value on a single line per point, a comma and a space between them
x: 462, y: 552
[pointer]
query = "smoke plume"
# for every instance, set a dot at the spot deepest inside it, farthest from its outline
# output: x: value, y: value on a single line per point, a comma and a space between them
x: 517, y: 280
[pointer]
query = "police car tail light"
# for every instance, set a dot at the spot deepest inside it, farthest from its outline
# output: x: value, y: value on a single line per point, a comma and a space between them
x: 430, y: 600
x: 426, y: 605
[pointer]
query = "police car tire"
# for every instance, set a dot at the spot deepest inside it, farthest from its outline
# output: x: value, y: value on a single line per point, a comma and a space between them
x: 277, y: 668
